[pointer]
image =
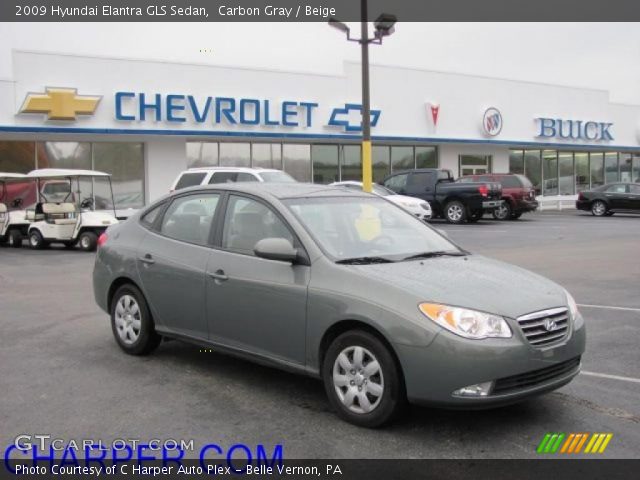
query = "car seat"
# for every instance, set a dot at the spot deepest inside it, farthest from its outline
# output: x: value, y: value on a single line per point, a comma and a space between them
x: 247, y: 230
x: 59, y: 213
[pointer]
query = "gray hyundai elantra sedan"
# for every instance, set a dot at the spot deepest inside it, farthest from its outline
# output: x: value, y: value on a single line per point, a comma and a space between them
x: 340, y: 285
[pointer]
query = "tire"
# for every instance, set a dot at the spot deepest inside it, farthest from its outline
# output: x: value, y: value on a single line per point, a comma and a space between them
x: 14, y: 239
x: 36, y: 240
x: 455, y: 212
x: 599, y: 208
x: 515, y: 216
x: 131, y: 322
x: 610, y: 214
x: 503, y: 212
x: 88, y: 241
x: 385, y: 401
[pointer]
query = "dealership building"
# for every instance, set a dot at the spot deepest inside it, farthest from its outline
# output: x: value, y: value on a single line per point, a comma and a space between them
x: 145, y: 121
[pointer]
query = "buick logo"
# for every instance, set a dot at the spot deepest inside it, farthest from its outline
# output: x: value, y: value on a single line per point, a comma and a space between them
x: 550, y: 325
x: 492, y: 122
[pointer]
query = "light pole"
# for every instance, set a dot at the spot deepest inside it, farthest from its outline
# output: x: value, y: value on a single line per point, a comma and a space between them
x: 384, y: 26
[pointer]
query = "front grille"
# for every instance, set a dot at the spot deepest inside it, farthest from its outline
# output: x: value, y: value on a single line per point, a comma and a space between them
x: 535, y: 377
x: 545, y: 327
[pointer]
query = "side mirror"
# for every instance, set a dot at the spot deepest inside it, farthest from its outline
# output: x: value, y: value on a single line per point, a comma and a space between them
x: 276, y: 249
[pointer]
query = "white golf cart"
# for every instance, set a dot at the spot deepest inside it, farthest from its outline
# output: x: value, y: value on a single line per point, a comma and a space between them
x: 13, y: 222
x: 67, y: 212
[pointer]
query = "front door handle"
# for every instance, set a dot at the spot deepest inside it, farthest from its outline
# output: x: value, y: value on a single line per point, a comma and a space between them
x: 219, y: 275
x: 148, y: 259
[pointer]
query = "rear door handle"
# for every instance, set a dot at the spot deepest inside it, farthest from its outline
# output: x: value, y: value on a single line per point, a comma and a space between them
x: 219, y: 275
x: 148, y: 259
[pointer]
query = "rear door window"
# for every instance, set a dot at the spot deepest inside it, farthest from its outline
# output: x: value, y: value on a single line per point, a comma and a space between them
x: 618, y: 188
x: 510, y: 181
x: 190, y: 180
x: 189, y: 218
x: 149, y: 218
x: 224, y: 177
x: 246, y: 177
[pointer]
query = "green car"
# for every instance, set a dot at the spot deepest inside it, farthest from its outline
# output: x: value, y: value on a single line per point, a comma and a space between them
x: 340, y: 285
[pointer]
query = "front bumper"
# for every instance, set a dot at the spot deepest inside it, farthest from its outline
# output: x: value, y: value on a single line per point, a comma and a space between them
x: 451, y: 362
x: 491, y: 204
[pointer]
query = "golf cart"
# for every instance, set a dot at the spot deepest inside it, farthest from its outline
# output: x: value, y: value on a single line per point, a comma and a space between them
x: 13, y: 224
x: 67, y: 213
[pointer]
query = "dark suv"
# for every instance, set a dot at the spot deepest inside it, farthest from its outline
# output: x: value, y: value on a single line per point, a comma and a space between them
x: 518, y: 193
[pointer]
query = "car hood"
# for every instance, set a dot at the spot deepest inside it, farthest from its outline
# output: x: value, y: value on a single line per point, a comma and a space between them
x: 473, y: 282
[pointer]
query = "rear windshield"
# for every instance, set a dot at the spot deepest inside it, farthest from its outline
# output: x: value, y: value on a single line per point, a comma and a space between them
x: 277, y: 177
x: 190, y: 180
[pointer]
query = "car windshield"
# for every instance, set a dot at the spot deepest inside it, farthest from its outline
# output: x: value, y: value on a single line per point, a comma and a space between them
x: 367, y: 228
x: 277, y: 177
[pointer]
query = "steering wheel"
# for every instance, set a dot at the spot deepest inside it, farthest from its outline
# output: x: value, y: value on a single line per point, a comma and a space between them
x: 86, y: 203
x: 17, y: 202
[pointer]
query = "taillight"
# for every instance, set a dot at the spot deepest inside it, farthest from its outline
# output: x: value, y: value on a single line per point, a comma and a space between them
x: 102, y: 239
x: 484, y: 190
x: 580, y: 196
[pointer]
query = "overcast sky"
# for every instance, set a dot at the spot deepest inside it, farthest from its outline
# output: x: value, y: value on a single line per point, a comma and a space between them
x: 604, y: 56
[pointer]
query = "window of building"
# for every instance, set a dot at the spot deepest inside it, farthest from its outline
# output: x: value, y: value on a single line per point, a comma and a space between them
x: 247, y: 222
x: 381, y: 160
x: 17, y: 157
x: 266, y: 155
x: 125, y: 162
x: 550, y: 172
x: 402, y: 159
x: 610, y: 167
x: 202, y: 154
x: 566, y: 177
x: 533, y: 169
x: 625, y: 167
x: 189, y: 218
x: 635, y: 172
x: 426, y: 157
x: 325, y: 163
x: 235, y: 154
x: 474, y: 164
x: 352, y: 163
x: 516, y: 161
x: 297, y: 161
x: 64, y: 155
x: 582, y: 171
x: 596, y: 161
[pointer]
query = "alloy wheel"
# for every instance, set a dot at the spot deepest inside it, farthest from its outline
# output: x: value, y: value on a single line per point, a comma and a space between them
x: 455, y: 213
x: 599, y: 208
x: 358, y: 380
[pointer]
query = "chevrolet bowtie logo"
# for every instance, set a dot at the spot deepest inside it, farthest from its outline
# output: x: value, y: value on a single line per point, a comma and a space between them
x: 60, y: 103
x: 340, y: 117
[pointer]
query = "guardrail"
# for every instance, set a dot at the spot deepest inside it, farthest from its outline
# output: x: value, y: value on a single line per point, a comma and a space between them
x: 564, y: 202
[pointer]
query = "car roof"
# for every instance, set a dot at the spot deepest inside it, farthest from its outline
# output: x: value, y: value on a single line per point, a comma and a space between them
x: 64, y: 172
x: 231, y: 169
x: 282, y: 190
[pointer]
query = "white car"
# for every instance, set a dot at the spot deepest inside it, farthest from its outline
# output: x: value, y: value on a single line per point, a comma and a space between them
x: 415, y: 206
x: 210, y: 175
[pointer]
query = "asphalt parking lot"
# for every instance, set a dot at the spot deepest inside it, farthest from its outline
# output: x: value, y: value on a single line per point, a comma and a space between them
x: 62, y: 373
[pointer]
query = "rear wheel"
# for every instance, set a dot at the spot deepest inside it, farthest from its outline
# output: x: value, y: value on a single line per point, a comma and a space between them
x: 455, y: 212
x: 36, y: 240
x: 88, y: 241
x: 131, y: 322
x: 599, y: 208
x: 15, y: 238
x: 362, y: 380
x: 503, y: 212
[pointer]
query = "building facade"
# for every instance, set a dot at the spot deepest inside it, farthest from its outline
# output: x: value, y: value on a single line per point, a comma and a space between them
x: 145, y: 121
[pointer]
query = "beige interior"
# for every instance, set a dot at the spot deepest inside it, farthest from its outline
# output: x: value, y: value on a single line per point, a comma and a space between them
x: 3, y: 208
x: 57, y: 208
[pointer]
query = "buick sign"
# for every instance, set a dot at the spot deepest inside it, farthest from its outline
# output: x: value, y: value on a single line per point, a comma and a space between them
x: 492, y: 122
x: 574, y: 129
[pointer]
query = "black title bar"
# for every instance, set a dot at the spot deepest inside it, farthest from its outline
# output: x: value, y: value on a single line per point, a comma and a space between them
x: 316, y: 10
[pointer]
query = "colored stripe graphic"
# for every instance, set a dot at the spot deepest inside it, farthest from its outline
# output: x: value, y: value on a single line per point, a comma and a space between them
x: 572, y: 443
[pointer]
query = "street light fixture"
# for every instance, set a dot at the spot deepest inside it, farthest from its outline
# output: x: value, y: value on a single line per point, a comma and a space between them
x: 384, y: 26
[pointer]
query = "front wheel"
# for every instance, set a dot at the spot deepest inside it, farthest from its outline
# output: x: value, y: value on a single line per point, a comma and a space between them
x: 503, y: 212
x: 455, y: 212
x: 36, y: 240
x: 599, y: 208
x: 15, y: 238
x: 88, y: 241
x: 362, y: 380
x: 131, y: 322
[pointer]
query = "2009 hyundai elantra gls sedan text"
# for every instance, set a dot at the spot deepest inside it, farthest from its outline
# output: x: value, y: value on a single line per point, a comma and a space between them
x: 341, y: 285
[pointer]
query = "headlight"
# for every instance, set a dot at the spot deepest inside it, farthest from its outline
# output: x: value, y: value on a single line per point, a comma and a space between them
x: 425, y: 206
x: 466, y: 323
x: 573, y: 307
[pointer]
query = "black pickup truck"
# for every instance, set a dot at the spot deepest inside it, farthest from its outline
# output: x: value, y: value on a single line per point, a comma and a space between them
x: 455, y: 202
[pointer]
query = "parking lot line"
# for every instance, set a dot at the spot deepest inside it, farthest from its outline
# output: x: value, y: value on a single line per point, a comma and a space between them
x: 612, y: 377
x: 627, y: 309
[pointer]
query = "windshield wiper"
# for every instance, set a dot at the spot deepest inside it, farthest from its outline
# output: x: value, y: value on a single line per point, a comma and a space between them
x: 364, y: 260
x: 437, y: 253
